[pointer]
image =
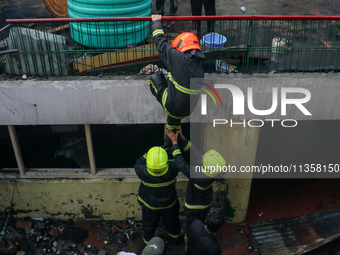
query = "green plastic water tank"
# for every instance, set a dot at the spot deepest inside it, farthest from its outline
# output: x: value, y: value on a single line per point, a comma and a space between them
x: 109, y: 34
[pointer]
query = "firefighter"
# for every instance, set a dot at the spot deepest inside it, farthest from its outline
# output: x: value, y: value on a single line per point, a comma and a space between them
x: 157, y: 194
x: 182, y: 58
x: 199, y: 190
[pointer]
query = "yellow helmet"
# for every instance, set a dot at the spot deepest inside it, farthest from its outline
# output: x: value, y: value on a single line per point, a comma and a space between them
x: 157, y: 161
x: 213, y: 160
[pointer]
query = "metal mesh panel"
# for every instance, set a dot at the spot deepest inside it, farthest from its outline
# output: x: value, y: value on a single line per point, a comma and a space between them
x: 253, y: 45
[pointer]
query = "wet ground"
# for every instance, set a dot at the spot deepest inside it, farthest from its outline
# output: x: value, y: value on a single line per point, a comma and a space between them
x: 272, y: 199
x: 262, y: 7
x: 16, y: 9
x: 47, y: 236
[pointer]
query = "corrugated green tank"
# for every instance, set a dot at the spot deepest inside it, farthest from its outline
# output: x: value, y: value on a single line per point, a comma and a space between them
x: 109, y: 34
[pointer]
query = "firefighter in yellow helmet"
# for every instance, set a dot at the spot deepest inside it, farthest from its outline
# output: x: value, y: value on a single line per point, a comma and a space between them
x: 183, y: 61
x: 157, y: 194
x: 199, y: 190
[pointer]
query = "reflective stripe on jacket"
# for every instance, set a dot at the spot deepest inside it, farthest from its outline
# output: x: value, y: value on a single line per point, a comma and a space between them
x: 156, y: 192
x: 199, y: 191
x: 181, y: 68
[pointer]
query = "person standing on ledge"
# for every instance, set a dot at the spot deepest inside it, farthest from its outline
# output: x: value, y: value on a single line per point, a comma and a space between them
x: 172, y: 10
x: 209, y: 9
x: 183, y: 61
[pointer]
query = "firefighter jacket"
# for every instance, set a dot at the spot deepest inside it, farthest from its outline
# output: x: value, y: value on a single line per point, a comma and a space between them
x: 156, y: 192
x: 199, y: 191
x: 181, y: 67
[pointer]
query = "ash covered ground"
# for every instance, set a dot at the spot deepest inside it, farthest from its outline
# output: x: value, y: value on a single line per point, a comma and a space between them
x: 43, y: 236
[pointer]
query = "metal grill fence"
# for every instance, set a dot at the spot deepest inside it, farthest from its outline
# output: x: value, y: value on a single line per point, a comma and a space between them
x: 99, y: 46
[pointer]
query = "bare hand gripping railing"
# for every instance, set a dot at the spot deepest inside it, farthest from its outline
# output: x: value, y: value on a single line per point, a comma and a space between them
x: 98, y: 46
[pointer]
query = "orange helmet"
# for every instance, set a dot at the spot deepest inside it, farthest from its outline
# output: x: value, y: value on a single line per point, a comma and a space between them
x: 186, y: 41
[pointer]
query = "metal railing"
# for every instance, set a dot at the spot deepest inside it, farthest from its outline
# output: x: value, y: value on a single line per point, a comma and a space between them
x: 123, y: 45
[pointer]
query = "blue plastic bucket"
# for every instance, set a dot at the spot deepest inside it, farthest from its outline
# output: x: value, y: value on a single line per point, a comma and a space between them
x: 214, y: 40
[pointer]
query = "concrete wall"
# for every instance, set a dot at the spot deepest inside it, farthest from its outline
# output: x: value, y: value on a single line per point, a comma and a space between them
x: 120, y: 100
x: 80, y: 199
x: 78, y: 101
x: 323, y: 104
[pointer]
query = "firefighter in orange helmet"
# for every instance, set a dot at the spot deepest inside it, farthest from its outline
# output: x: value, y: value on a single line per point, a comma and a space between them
x: 183, y: 61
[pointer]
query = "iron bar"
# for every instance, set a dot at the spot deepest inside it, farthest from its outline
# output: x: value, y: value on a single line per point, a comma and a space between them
x: 178, y: 18
x: 8, y: 51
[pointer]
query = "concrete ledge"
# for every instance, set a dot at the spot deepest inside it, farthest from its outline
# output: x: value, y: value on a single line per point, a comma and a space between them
x: 119, y: 174
x: 79, y: 199
x: 127, y: 99
x: 78, y: 101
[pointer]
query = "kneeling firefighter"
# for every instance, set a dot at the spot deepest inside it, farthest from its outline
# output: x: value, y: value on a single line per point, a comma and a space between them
x: 183, y: 60
x: 157, y: 194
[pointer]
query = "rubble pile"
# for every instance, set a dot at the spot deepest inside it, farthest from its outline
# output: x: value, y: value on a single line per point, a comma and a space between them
x: 39, y: 236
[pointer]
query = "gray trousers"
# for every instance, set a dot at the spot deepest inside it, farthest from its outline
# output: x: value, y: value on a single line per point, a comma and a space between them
x: 160, y: 7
